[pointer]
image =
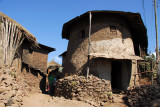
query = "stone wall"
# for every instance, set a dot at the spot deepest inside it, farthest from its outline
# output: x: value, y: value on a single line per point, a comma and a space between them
x: 143, y: 96
x: 94, y: 91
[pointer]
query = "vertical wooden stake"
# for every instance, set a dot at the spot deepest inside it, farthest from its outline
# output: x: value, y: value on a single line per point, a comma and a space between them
x: 152, y: 81
x: 157, y: 46
x: 90, y: 18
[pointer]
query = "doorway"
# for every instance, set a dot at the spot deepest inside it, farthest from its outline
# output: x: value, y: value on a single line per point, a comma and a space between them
x: 116, y: 75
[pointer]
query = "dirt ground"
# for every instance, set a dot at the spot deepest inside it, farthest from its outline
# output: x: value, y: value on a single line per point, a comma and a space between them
x: 42, y: 100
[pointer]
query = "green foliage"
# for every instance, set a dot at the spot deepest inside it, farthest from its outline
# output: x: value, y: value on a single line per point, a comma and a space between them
x: 146, y: 65
x: 148, y: 61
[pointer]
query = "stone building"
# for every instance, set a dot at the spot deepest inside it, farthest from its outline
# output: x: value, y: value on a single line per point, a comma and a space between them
x: 118, y: 40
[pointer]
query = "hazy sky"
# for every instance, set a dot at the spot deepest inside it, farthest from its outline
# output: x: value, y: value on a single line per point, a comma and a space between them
x: 45, y: 18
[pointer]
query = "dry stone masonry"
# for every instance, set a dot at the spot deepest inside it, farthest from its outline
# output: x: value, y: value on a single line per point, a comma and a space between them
x: 142, y: 96
x: 95, y: 91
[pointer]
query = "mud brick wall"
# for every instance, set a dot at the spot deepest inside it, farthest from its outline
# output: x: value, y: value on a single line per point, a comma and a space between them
x: 35, y: 58
x: 93, y: 91
x: 103, y: 40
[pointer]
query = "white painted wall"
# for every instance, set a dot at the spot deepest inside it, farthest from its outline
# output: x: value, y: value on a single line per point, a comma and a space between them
x: 115, y: 46
x: 104, y: 70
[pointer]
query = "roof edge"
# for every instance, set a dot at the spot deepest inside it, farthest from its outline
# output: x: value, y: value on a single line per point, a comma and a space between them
x: 26, y: 32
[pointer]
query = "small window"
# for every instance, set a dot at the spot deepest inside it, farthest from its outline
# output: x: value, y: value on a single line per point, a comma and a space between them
x: 113, y: 30
x: 82, y: 34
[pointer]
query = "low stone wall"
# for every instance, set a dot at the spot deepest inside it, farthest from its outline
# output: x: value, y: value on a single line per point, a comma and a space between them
x: 95, y: 91
x: 142, y: 96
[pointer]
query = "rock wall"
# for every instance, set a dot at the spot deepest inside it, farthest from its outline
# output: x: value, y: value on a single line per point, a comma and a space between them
x: 94, y: 91
x: 142, y: 96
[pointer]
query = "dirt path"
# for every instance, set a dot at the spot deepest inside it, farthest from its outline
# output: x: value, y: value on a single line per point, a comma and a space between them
x: 42, y: 100
x: 115, y: 105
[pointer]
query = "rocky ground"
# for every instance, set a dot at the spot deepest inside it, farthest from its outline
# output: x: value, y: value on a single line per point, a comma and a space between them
x: 11, y: 90
x: 15, y: 91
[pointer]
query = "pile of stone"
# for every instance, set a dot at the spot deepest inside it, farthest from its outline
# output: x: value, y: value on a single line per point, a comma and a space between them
x: 11, y: 93
x: 94, y: 91
x: 141, y: 96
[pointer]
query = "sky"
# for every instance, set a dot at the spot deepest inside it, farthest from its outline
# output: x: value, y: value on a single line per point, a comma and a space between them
x: 45, y: 18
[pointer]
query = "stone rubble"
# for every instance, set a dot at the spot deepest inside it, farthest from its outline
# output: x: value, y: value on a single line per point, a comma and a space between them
x: 11, y: 90
x: 95, y: 91
x: 142, y: 96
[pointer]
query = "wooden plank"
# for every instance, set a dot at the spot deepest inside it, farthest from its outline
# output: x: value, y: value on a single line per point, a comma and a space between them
x: 1, y: 40
x: 16, y: 36
x: 18, y: 44
x: 11, y: 42
x: 152, y: 81
x: 9, y: 34
x: 2, y: 32
x: 6, y: 40
x: 10, y: 28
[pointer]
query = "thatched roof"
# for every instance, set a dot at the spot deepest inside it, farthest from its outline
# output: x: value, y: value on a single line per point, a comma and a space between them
x: 28, y: 35
x: 53, y: 64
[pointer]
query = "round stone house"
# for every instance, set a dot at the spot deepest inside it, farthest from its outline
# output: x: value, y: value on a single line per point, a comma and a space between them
x: 117, y: 42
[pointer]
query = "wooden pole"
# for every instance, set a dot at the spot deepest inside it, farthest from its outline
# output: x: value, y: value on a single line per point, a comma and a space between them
x: 90, y: 18
x: 152, y: 82
x: 157, y: 46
